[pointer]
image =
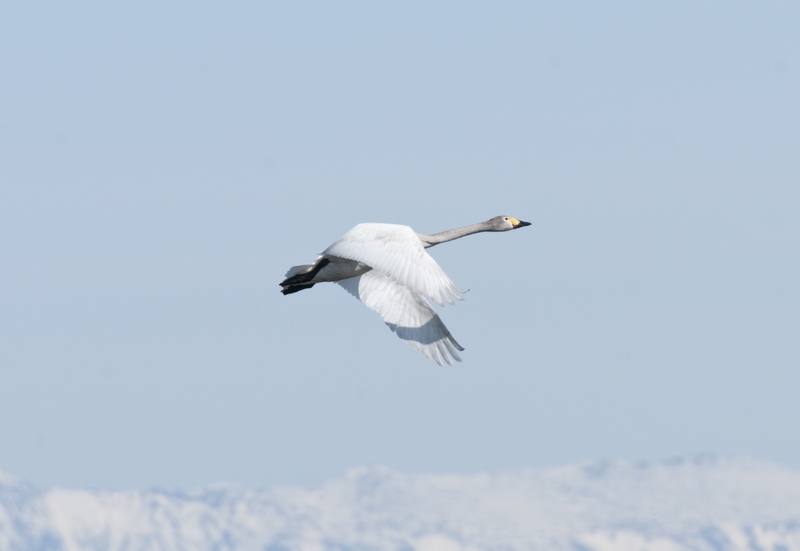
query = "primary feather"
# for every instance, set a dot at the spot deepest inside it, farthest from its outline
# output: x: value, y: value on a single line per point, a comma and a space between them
x: 406, y: 313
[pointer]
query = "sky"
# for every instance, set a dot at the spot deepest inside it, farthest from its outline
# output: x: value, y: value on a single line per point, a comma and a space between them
x: 162, y: 166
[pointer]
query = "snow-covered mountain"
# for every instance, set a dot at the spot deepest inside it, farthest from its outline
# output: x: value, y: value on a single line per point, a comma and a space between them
x: 698, y: 504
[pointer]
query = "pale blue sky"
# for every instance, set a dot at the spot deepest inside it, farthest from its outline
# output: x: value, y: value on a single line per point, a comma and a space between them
x: 162, y: 167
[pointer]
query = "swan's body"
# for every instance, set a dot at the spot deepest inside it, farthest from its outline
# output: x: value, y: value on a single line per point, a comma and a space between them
x: 386, y: 267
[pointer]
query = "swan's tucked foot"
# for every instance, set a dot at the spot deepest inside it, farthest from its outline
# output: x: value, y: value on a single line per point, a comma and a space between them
x: 300, y: 281
x: 295, y: 288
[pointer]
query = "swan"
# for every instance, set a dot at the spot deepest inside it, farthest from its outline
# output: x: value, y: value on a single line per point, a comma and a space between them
x: 386, y: 267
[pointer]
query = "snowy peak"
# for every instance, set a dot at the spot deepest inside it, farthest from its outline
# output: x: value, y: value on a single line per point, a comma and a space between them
x: 697, y: 503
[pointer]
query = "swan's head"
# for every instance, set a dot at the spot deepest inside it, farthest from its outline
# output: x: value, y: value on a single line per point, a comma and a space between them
x: 505, y: 223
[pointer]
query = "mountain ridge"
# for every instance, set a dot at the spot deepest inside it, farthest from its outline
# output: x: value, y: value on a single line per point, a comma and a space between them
x: 700, y: 502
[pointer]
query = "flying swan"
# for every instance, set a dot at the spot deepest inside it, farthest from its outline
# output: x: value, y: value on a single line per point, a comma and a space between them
x: 386, y: 267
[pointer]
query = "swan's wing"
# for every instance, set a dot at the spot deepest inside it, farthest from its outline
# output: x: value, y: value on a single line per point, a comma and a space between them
x: 397, y: 252
x: 406, y: 313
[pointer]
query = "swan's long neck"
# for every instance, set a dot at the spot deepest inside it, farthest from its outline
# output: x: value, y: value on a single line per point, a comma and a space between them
x: 449, y: 235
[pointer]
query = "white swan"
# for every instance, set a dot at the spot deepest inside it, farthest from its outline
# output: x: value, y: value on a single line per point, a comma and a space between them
x: 386, y: 267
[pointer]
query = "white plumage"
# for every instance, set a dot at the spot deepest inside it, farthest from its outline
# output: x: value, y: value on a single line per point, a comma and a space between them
x: 386, y: 267
x: 397, y: 252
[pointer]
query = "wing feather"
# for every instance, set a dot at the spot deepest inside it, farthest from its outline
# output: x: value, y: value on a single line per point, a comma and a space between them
x: 398, y: 252
x: 406, y: 313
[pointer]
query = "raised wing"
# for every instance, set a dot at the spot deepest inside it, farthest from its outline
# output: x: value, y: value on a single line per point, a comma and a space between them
x: 407, y: 314
x: 397, y: 252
